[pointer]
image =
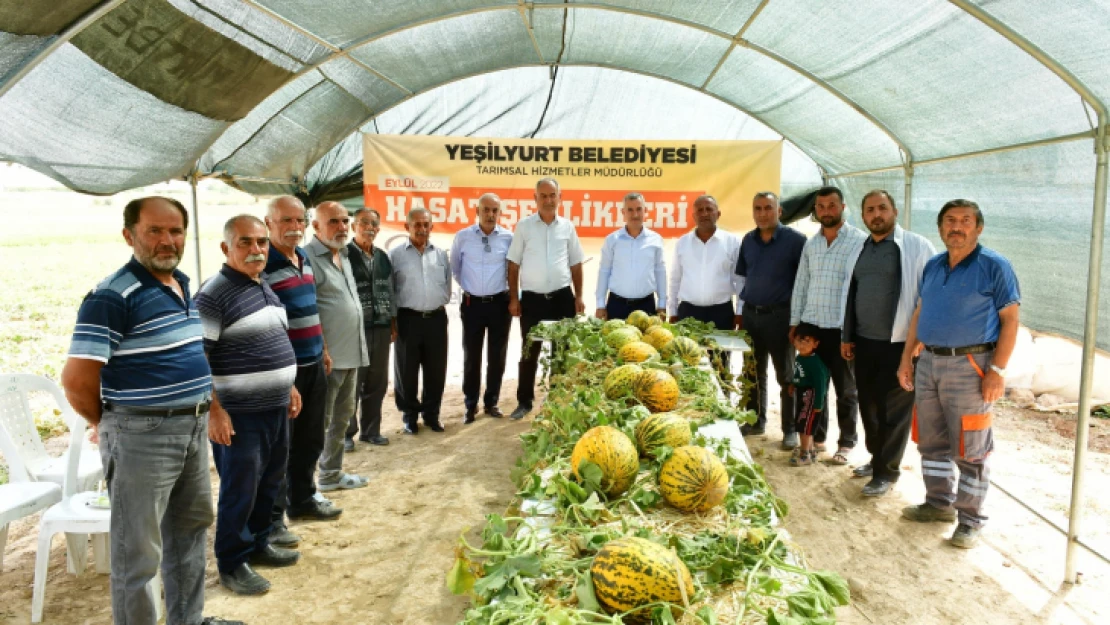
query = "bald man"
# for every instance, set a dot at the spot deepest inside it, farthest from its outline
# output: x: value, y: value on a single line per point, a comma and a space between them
x: 344, y: 333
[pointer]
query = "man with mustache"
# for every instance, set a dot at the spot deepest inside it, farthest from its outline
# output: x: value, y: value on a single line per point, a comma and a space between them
x: 289, y: 273
x: 967, y: 320
x: 422, y: 288
x: 344, y: 334
x: 137, y: 373
x: 879, y: 300
x: 633, y: 270
x: 253, y: 398
x: 817, y: 298
x: 702, y: 283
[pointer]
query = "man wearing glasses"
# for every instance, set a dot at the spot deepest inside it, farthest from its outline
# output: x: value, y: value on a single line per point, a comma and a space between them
x: 374, y: 279
x: 479, y: 265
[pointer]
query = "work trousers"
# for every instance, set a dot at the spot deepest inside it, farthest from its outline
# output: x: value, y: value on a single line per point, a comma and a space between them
x: 885, y: 408
x: 617, y: 307
x: 250, y: 469
x: 421, y: 345
x: 157, y: 474
x: 952, y: 423
x: 844, y: 381
x: 769, y: 331
x: 339, y: 407
x: 306, y: 441
x: 371, y: 384
x: 534, y: 308
x: 484, y: 320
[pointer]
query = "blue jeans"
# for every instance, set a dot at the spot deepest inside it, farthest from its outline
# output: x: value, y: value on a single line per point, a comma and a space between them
x: 251, y: 469
x: 157, y: 474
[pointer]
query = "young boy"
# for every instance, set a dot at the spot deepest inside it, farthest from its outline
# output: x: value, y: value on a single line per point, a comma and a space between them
x: 809, y: 386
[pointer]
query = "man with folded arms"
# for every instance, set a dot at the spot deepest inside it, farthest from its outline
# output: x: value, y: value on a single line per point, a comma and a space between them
x: 544, y: 258
x: 633, y: 272
x: 478, y: 262
x: 422, y: 287
x: 967, y: 319
x: 253, y: 369
x: 137, y: 373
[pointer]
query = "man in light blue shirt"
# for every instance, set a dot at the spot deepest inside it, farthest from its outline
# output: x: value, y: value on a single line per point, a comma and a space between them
x: 422, y: 287
x: 478, y: 260
x: 632, y: 271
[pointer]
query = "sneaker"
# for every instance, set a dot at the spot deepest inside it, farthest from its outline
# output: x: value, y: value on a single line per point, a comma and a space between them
x: 314, y: 511
x: 244, y: 581
x: 965, y: 536
x: 790, y: 441
x: 280, y: 536
x: 925, y: 513
x: 862, y: 471
x: 348, y: 444
x: 751, y: 429
x: 876, y: 488
x: 346, y: 481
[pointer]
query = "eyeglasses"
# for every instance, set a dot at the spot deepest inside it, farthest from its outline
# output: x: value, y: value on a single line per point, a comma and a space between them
x: 486, y: 241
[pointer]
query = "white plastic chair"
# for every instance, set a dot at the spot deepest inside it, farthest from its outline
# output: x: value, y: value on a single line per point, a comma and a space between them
x: 77, y: 519
x: 20, y: 441
x: 20, y: 499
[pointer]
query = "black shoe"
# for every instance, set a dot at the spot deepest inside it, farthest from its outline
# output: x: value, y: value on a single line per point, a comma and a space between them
x: 751, y: 429
x: 274, y: 556
x: 876, y: 488
x: 411, y: 429
x: 435, y: 427
x: 862, y: 471
x: 469, y: 417
x: 215, y: 620
x: 313, y: 511
x: 348, y: 444
x: 494, y: 412
x: 280, y: 536
x: 244, y: 581
x: 376, y: 440
x: 520, y: 412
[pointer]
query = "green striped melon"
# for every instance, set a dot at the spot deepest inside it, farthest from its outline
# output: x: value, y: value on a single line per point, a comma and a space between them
x: 610, y: 325
x: 631, y: 572
x: 619, y: 381
x: 636, y: 351
x: 687, y: 350
x: 619, y: 337
x: 614, y: 452
x: 663, y: 429
x: 654, y: 321
x: 639, y: 319
x: 693, y: 479
x: 658, y: 337
x: 657, y: 390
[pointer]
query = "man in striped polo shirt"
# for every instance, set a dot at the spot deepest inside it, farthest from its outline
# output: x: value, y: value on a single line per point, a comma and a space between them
x: 137, y: 373
x: 253, y: 368
x: 289, y: 273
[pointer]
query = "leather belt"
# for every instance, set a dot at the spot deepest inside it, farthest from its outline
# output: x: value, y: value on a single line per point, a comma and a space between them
x: 960, y: 351
x: 549, y: 295
x: 412, y: 312
x: 630, y: 300
x: 153, y: 411
x: 485, y: 299
x: 767, y: 309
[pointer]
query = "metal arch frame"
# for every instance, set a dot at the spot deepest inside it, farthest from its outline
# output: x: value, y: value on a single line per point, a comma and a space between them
x: 61, y: 39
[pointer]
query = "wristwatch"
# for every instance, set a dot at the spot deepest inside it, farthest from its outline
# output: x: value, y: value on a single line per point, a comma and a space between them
x: 999, y: 370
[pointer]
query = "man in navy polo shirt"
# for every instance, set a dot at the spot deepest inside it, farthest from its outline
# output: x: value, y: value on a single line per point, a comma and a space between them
x: 137, y: 373
x: 967, y: 319
x: 253, y: 369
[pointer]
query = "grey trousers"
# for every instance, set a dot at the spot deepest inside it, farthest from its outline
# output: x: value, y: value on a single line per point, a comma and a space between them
x: 339, y: 407
x: 373, y: 380
x: 952, y: 424
x: 157, y: 474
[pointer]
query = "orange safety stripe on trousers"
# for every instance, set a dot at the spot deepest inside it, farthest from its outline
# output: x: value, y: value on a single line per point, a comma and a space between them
x: 972, y: 423
x: 975, y: 366
x: 913, y: 426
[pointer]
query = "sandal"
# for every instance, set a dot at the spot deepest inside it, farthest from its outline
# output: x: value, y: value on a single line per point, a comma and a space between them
x: 803, y: 458
x: 841, y: 456
x: 346, y: 481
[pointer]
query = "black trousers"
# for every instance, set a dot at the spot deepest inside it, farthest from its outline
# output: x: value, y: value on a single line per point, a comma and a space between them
x: 484, y: 320
x: 617, y: 307
x: 721, y: 315
x: 844, y: 381
x: 306, y: 440
x: 884, y: 406
x: 769, y: 331
x: 421, y: 344
x: 534, y: 308
x: 372, y: 382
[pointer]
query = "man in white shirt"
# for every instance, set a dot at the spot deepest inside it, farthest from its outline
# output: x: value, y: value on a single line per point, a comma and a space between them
x: 632, y: 270
x: 817, y: 299
x: 539, y: 287
x: 703, y: 282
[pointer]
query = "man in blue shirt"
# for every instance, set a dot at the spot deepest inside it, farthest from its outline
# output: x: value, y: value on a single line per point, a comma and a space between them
x: 137, y: 373
x: 768, y: 263
x: 967, y: 320
x: 478, y: 261
x: 633, y: 273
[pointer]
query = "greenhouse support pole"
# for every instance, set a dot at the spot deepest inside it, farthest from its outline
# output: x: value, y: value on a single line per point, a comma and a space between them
x: 196, y: 225
x: 907, y: 203
x: 1090, y: 333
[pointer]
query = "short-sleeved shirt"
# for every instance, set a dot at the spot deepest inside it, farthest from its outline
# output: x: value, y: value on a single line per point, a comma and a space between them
x: 339, y: 306
x: 295, y: 286
x: 632, y: 267
x: 149, y: 339
x: 478, y: 260
x: 960, y: 306
x: 247, y: 341
x: 769, y: 267
x: 545, y: 253
x: 420, y: 281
